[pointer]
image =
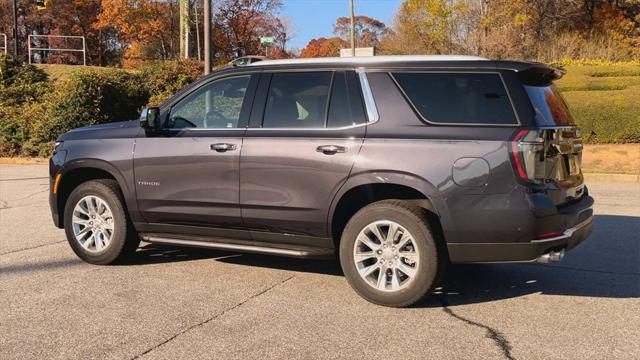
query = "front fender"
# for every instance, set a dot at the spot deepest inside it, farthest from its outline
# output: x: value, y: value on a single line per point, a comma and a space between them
x: 111, y: 156
x: 99, y: 164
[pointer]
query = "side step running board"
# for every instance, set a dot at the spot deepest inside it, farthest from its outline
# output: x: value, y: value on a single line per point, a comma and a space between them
x: 294, y: 251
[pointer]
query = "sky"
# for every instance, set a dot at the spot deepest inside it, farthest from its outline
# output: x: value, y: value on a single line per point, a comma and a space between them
x: 315, y: 18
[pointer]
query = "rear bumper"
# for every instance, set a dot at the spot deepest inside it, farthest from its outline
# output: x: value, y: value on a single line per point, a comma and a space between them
x: 579, y: 215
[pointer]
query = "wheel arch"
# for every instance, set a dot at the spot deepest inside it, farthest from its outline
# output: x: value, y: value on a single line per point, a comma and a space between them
x: 363, y: 189
x: 83, y: 170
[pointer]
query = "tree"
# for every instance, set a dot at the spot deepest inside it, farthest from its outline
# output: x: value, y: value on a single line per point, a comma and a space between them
x: 545, y: 30
x: 425, y: 27
x: 368, y: 31
x: 239, y: 24
x: 323, y: 47
x: 71, y: 17
x: 146, y: 29
x: 286, y: 31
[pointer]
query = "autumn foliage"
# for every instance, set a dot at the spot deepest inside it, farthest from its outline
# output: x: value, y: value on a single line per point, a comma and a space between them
x: 368, y: 31
x: 146, y: 28
x: 323, y: 47
x: 545, y: 30
x: 132, y: 31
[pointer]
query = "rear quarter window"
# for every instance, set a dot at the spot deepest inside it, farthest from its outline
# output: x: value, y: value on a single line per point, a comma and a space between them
x: 549, y: 105
x: 458, y: 98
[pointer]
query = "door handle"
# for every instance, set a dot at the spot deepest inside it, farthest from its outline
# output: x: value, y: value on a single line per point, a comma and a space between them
x: 222, y: 147
x: 331, y: 149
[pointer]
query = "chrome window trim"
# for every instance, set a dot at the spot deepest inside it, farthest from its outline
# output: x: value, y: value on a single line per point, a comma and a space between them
x: 369, y: 101
x: 205, y: 129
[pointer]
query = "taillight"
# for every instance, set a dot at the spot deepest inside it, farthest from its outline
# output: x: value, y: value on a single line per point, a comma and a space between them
x: 526, y: 147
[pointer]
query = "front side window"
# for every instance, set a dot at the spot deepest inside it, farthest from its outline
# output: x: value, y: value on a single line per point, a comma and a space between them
x: 297, y: 100
x: 216, y: 105
x: 458, y: 98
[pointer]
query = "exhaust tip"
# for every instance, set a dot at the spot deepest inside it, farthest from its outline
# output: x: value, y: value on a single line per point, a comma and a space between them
x: 550, y: 257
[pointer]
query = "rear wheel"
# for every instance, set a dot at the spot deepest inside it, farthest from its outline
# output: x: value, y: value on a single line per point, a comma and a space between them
x: 389, y: 255
x: 96, y: 224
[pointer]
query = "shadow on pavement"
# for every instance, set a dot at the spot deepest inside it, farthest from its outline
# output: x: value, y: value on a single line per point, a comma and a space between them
x: 606, y: 265
x: 155, y: 253
x: 31, y: 267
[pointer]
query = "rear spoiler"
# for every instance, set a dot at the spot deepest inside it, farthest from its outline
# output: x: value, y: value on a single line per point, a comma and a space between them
x: 533, y: 73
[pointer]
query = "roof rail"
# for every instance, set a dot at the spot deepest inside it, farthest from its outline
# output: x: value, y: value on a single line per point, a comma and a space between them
x: 369, y: 59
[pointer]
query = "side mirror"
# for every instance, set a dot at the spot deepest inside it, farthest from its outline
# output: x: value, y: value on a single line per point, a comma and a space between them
x: 150, y: 119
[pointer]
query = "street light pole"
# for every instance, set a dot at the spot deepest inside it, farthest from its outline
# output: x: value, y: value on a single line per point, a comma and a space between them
x: 207, y: 37
x: 15, y: 29
x: 353, y: 29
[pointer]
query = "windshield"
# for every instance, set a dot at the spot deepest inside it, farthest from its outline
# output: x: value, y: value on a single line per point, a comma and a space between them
x: 550, y: 107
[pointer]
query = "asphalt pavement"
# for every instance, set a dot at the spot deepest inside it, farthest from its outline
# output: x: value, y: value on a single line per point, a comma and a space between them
x: 189, y: 303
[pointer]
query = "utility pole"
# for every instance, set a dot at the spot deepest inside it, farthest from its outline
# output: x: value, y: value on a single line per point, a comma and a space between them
x: 184, y: 28
x: 207, y: 37
x: 353, y: 29
x: 197, y: 30
x: 15, y: 29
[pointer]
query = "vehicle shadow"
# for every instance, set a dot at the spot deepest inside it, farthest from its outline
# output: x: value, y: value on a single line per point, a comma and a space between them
x: 606, y: 265
x: 157, y: 253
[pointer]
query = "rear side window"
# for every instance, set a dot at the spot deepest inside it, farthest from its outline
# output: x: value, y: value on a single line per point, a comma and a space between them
x: 458, y: 98
x: 550, y: 107
x: 297, y: 100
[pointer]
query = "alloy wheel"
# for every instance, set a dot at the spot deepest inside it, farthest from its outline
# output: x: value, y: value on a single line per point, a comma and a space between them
x: 386, y: 255
x: 92, y: 223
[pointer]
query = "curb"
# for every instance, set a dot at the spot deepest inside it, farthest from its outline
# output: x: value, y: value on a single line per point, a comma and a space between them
x: 603, y: 177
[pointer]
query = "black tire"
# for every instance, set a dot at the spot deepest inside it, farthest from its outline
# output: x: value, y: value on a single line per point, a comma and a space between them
x: 432, y: 259
x: 124, y: 240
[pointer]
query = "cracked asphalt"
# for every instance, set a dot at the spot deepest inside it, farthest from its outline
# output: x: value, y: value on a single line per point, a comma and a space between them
x: 187, y: 303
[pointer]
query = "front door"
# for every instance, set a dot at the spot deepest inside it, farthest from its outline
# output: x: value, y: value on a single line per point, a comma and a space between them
x: 305, y: 132
x: 188, y: 174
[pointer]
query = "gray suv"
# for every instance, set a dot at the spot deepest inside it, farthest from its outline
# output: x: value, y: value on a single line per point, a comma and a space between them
x: 398, y: 165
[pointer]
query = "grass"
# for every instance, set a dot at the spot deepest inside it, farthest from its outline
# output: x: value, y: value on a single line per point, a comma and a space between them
x: 605, y: 101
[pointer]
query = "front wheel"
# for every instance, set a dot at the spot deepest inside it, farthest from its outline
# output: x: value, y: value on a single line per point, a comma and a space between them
x: 96, y: 224
x: 389, y: 255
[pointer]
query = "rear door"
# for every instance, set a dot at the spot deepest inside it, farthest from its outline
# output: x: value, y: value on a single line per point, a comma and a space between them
x: 306, y: 129
x: 189, y: 173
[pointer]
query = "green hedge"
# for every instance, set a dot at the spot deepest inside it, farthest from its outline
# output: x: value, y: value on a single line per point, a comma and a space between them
x: 85, y: 98
x: 34, y: 110
x: 605, y: 100
x: 22, y: 88
x: 163, y: 79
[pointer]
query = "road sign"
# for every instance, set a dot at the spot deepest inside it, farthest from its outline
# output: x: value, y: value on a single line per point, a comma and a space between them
x: 367, y: 51
x: 267, y: 40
